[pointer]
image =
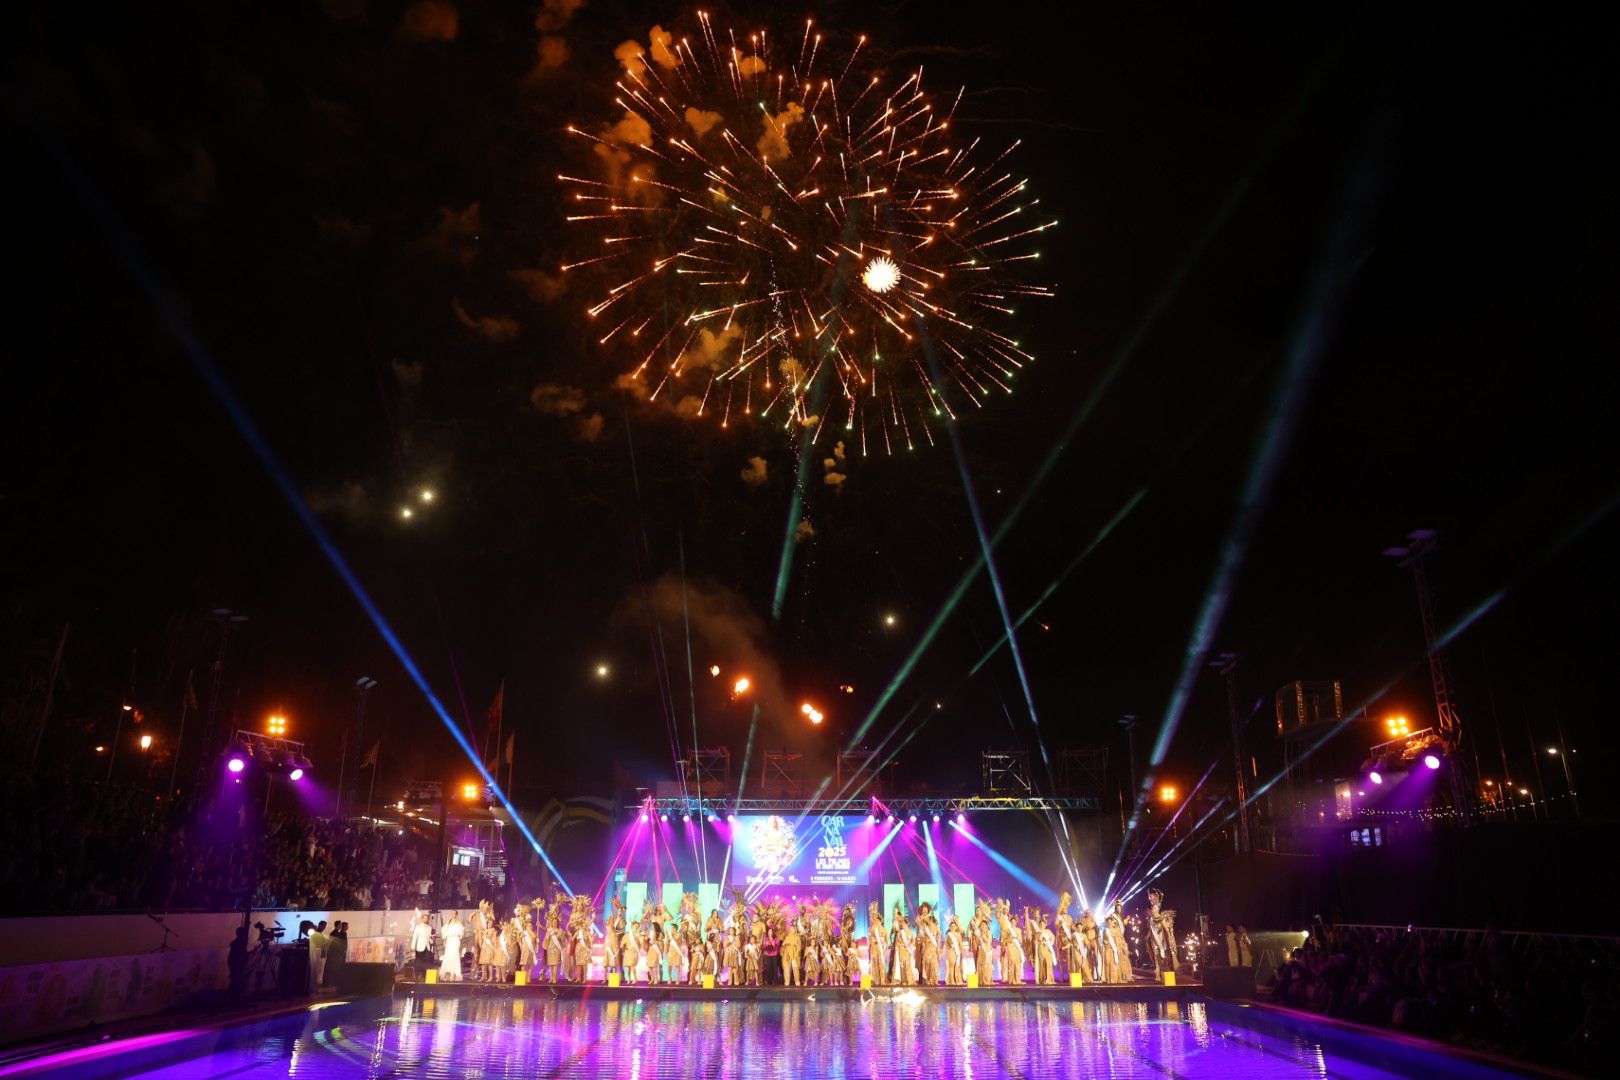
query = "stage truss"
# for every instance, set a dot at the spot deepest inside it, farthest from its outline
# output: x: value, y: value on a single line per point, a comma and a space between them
x: 972, y: 804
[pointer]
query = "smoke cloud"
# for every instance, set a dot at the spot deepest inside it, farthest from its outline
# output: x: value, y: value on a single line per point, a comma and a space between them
x: 456, y: 235
x: 554, y: 14
x: 553, y: 399
x: 659, y: 41
x: 774, y: 144
x: 702, y: 121
x: 551, y: 53
x: 725, y: 631
x: 755, y: 473
x: 430, y: 20
x: 494, y: 329
x: 541, y: 286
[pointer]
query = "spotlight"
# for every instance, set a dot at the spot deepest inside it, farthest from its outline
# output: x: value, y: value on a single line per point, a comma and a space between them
x: 663, y: 817
x: 296, y: 774
x: 961, y: 819
x: 686, y: 817
x: 427, y: 494
x: 1376, y: 777
x: 146, y: 742
x: 871, y: 819
x: 731, y: 818
x: 236, y: 763
x: 714, y: 819
x: 913, y: 819
x: 1430, y: 761
x: 469, y: 792
x: 890, y: 821
x: 644, y: 819
x: 714, y: 671
x: 277, y: 726
x: 936, y: 819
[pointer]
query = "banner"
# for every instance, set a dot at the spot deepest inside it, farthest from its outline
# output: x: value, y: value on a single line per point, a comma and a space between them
x: 39, y: 999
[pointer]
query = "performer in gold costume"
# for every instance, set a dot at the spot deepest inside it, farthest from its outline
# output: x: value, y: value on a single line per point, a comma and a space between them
x: 953, y: 953
x: 877, y: 945
x: 1115, y: 950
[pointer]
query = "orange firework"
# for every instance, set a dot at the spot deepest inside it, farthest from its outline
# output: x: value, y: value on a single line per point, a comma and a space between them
x: 795, y: 235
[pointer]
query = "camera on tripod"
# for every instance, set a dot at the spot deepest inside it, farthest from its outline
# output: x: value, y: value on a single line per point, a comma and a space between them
x: 269, y: 935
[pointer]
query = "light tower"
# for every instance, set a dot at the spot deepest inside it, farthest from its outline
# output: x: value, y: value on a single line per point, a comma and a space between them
x: 1447, y: 725
x: 1227, y: 665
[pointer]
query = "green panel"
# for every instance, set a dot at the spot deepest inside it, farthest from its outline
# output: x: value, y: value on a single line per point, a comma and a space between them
x: 672, y: 898
x: 928, y: 893
x: 708, y: 898
x: 892, y: 895
x: 635, y: 895
x: 962, y: 904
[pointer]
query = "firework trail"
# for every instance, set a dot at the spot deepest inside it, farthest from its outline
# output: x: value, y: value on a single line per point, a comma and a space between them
x: 775, y: 225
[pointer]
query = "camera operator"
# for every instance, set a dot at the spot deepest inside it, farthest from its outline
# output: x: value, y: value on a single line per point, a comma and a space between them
x: 236, y: 962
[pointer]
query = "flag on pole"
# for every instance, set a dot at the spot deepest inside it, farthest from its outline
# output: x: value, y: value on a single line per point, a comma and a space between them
x: 509, y: 743
x: 492, y: 725
x: 371, y: 755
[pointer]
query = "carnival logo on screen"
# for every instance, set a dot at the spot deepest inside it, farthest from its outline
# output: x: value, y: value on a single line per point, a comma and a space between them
x: 774, y: 845
x: 832, y: 858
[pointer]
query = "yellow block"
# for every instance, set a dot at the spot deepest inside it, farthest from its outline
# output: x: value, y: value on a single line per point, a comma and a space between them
x: 432, y: 976
x: 1074, y: 978
x: 973, y: 980
x: 1169, y: 978
x: 866, y: 982
x: 520, y: 978
x: 613, y: 978
x: 708, y: 982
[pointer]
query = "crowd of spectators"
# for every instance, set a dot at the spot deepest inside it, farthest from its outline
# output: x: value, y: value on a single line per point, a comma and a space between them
x: 86, y: 847
x: 73, y: 847
x: 1544, y: 998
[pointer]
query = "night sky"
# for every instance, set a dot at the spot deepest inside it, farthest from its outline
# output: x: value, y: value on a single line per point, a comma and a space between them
x: 341, y: 199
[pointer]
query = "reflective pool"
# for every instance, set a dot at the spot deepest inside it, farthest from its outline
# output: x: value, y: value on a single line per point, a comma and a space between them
x: 489, y: 1037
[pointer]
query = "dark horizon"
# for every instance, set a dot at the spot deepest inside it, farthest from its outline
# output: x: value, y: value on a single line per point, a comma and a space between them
x: 1391, y: 223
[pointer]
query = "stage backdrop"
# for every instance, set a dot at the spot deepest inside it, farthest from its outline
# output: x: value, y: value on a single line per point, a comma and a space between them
x: 812, y: 854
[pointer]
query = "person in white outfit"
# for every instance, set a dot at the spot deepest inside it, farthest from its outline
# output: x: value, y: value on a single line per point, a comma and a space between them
x: 450, y: 966
x: 422, y: 944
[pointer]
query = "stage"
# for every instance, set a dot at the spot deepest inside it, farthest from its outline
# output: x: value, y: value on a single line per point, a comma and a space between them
x: 1142, y: 991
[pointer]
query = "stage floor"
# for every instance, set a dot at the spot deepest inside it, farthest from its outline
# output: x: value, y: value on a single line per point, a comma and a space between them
x: 501, y: 1036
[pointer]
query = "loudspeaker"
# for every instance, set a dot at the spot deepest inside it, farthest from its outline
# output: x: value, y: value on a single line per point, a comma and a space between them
x: 366, y: 980
x: 1229, y: 982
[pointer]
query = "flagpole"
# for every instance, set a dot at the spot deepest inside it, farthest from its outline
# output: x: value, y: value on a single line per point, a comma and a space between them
x: 343, y: 767
x: 376, y: 763
x: 180, y: 738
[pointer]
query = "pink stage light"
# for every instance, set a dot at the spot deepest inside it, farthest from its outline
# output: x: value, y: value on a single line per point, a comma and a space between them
x: 236, y: 764
x: 1431, y: 761
x: 1376, y: 777
x: 296, y: 774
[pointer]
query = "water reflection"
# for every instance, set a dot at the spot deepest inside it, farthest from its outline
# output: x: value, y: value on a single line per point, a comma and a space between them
x: 460, y: 1037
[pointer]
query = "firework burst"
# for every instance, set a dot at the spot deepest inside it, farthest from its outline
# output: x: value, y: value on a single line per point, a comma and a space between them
x: 790, y: 234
